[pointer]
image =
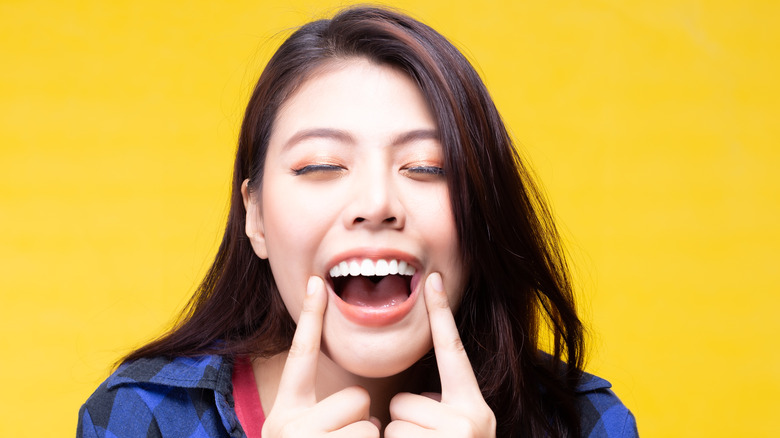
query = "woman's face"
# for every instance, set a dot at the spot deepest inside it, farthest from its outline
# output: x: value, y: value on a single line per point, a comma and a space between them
x: 353, y: 191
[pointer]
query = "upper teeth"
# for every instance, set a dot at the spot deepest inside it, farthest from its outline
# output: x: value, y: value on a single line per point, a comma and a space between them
x: 368, y: 267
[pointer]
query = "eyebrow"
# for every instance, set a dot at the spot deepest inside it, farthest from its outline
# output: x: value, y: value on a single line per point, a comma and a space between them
x: 415, y: 135
x: 335, y: 134
x: 346, y: 137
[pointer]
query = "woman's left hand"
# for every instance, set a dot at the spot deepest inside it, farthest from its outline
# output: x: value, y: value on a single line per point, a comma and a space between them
x: 460, y: 410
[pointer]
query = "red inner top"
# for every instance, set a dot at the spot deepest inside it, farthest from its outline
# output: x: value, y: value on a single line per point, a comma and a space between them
x: 247, y: 398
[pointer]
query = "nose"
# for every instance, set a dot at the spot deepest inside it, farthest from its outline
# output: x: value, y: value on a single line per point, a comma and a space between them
x: 375, y: 203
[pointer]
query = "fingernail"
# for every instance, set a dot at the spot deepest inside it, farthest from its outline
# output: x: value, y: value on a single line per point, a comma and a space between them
x: 311, y: 286
x: 436, y: 283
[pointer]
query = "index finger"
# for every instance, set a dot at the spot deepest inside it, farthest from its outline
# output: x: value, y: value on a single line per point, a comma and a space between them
x: 299, y: 374
x: 457, y: 376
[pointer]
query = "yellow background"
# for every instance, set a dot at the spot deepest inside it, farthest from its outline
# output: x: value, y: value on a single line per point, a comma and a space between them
x: 652, y: 124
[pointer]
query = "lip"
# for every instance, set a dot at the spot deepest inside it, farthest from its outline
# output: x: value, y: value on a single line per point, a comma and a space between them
x: 376, y: 316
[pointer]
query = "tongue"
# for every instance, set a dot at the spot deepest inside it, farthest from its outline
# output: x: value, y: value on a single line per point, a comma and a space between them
x: 361, y: 291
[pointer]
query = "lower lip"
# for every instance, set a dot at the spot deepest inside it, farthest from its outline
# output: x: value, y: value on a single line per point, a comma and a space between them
x: 378, y: 316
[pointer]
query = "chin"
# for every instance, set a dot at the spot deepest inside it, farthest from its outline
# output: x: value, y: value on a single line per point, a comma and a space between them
x: 375, y: 356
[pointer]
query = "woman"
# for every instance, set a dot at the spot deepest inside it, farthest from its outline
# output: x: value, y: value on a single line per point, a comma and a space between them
x: 387, y: 268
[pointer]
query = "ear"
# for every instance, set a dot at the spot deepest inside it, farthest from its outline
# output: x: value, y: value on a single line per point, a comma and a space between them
x: 254, y: 221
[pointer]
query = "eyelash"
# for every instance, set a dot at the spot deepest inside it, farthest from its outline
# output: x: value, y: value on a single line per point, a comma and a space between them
x: 426, y: 170
x: 316, y: 168
x: 433, y: 171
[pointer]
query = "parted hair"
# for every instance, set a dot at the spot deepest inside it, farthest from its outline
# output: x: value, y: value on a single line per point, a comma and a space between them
x: 518, y: 289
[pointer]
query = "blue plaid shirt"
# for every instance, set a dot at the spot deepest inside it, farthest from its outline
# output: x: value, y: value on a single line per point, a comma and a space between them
x: 193, y: 397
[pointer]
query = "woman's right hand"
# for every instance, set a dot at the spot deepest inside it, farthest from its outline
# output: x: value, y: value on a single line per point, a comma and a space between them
x: 296, y: 412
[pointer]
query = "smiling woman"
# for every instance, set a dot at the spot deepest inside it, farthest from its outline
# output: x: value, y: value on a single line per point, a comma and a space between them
x: 387, y: 267
x: 363, y: 132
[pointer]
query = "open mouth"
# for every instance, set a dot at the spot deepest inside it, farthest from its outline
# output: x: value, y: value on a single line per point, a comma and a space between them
x: 372, y: 283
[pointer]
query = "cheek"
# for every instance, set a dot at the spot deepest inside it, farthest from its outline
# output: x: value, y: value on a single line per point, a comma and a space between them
x: 437, y: 224
x: 291, y: 237
x: 295, y: 224
x: 442, y: 237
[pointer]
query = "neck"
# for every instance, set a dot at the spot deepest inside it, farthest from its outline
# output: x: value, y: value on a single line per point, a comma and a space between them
x: 331, y: 378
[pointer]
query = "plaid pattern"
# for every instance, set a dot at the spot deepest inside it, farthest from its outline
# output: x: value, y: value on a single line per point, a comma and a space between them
x: 192, y: 397
x: 183, y: 397
x: 603, y: 414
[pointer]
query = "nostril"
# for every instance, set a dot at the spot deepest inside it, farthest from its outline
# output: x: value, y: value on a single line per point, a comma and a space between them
x: 386, y: 221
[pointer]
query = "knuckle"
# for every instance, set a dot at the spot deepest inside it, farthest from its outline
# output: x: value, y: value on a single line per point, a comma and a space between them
x: 359, y: 396
x: 492, y: 424
x: 397, y: 404
x: 490, y: 418
x: 300, y: 349
x: 393, y: 430
x: 309, y: 308
x: 463, y: 425
x: 442, y: 302
x: 482, y: 424
x: 466, y: 427
x: 272, y: 428
x: 368, y: 429
x: 287, y: 431
x: 457, y: 345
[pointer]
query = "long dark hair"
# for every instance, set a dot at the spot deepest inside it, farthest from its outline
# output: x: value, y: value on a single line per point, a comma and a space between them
x: 518, y: 285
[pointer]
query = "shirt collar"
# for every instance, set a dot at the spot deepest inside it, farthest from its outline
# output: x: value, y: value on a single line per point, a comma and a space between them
x: 204, y: 372
x: 589, y: 383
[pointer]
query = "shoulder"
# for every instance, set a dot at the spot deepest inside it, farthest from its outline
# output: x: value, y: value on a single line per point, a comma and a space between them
x: 163, y: 397
x: 602, y: 412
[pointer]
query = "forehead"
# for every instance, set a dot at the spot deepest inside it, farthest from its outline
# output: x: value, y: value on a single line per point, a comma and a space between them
x: 358, y: 96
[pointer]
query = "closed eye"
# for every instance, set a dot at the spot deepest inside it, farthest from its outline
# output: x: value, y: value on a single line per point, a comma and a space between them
x: 316, y: 168
x: 424, y: 171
